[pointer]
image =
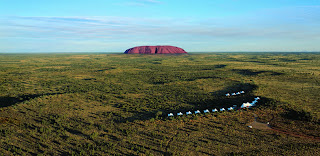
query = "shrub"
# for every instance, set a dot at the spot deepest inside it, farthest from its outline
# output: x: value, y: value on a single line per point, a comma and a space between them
x: 159, y: 114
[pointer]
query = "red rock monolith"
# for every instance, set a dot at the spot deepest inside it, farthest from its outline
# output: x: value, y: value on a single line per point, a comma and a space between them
x: 155, y: 50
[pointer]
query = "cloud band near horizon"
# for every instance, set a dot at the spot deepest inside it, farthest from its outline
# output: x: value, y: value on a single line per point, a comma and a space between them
x: 295, y: 28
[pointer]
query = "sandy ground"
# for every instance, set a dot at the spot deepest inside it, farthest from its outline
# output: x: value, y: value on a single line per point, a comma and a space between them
x: 258, y: 125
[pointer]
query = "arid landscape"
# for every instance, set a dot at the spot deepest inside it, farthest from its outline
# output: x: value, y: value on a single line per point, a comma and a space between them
x: 117, y: 104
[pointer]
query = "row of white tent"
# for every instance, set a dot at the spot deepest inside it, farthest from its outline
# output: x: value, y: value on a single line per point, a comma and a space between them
x: 252, y: 104
x: 237, y: 93
x: 244, y: 105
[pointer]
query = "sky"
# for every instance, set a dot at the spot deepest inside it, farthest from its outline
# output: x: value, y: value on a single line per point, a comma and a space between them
x: 194, y: 25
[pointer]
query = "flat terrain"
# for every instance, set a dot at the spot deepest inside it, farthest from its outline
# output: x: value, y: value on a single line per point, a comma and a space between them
x: 117, y: 104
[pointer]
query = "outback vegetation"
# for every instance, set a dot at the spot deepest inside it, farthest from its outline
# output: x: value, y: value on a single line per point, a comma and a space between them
x: 117, y: 104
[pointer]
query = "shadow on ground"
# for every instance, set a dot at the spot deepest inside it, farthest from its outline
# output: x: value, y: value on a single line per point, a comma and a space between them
x: 6, y: 101
x: 247, y: 72
x: 217, y: 100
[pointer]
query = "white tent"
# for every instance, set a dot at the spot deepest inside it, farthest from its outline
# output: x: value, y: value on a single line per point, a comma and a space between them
x: 233, y: 94
x: 246, y: 105
x: 170, y: 114
x: 242, y: 92
x: 196, y: 112
x: 214, y: 110
x: 206, y: 111
x: 231, y: 108
x: 227, y: 94
x: 179, y: 114
x: 238, y: 93
x: 222, y: 109
x: 188, y: 113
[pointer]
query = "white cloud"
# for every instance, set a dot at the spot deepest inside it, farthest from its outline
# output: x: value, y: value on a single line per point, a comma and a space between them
x: 149, y: 1
x: 118, y: 27
x: 141, y: 3
x: 98, y: 32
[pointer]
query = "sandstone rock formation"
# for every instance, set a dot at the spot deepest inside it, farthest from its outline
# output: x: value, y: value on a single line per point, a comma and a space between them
x: 155, y: 50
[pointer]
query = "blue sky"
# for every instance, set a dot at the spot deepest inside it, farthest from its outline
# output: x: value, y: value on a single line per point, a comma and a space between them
x: 196, y: 26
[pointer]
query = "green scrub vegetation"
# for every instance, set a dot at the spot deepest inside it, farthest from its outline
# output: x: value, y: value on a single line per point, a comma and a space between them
x: 117, y: 104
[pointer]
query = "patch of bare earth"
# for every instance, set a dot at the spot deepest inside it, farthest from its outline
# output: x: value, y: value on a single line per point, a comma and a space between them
x: 258, y: 125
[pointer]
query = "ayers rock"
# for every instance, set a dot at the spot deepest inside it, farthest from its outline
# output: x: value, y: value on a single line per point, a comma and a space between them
x: 155, y: 50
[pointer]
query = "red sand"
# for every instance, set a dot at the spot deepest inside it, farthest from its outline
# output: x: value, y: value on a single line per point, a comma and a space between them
x: 155, y: 50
